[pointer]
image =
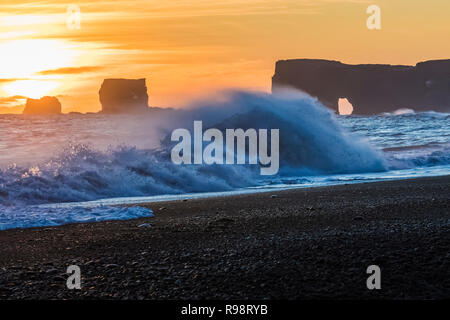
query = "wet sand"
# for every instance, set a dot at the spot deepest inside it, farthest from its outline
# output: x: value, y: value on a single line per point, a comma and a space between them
x: 297, y: 244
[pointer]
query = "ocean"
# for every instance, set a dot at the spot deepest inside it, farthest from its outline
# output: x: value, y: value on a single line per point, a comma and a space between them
x: 73, y: 168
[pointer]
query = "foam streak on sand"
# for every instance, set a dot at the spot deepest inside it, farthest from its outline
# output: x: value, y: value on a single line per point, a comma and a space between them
x: 33, y: 216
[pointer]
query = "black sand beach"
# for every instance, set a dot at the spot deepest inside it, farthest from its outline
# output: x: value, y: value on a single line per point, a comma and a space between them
x: 298, y: 244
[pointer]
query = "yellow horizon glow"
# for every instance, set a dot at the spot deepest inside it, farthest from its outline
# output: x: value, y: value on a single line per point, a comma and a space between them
x: 24, y: 58
x: 34, y: 89
x: 187, y: 47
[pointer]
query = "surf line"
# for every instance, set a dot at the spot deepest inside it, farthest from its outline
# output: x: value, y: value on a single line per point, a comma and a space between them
x: 213, y: 153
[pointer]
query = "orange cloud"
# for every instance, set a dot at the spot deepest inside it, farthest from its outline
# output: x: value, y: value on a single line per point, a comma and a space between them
x: 75, y: 70
x: 7, y: 80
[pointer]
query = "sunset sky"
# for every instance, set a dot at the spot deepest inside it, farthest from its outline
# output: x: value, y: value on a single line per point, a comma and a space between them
x: 186, y: 47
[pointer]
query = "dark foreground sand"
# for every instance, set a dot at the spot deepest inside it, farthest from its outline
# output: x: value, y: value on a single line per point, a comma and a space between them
x: 310, y: 243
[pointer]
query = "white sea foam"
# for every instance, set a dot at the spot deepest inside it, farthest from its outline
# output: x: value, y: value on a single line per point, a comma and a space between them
x: 35, y: 216
x: 66, y: 159
x: 311, y: 141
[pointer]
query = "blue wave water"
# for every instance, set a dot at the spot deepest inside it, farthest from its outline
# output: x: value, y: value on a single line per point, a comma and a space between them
x: 78, y: 158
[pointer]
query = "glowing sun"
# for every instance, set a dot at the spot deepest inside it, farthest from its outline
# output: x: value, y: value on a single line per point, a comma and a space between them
x: 22, y: 61
x: 30, y: 88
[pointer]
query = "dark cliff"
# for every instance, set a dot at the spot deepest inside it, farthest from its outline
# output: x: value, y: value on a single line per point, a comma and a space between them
x: 43, y: 106
x: 371, y: 89
x: 124, y: 96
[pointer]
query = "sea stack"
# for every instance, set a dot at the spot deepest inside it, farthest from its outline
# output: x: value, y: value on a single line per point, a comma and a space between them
x: 43, y: 106
x: 124, y: 96
x: 370, y: 88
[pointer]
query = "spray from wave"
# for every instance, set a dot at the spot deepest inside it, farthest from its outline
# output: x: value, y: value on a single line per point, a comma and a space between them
x: 312, y: 142
x: 405, y: 112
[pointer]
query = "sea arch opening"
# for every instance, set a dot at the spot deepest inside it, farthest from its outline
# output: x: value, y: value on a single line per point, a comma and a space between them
x: 345, y: 108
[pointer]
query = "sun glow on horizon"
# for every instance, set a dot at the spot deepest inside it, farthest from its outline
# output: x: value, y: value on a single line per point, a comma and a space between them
x: 24, y: 58
x: 31, y: 88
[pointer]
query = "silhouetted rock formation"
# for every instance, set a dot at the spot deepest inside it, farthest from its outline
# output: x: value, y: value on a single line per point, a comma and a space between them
x: 123, y: 96
x: 371, y: 89
x: 43, y: 106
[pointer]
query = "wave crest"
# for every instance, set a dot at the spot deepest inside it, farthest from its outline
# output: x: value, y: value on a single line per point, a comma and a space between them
x: 311, y: 142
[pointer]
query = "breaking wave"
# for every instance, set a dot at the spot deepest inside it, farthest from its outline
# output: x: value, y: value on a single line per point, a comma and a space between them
x: 405, y: 112
x: 311, y: 142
